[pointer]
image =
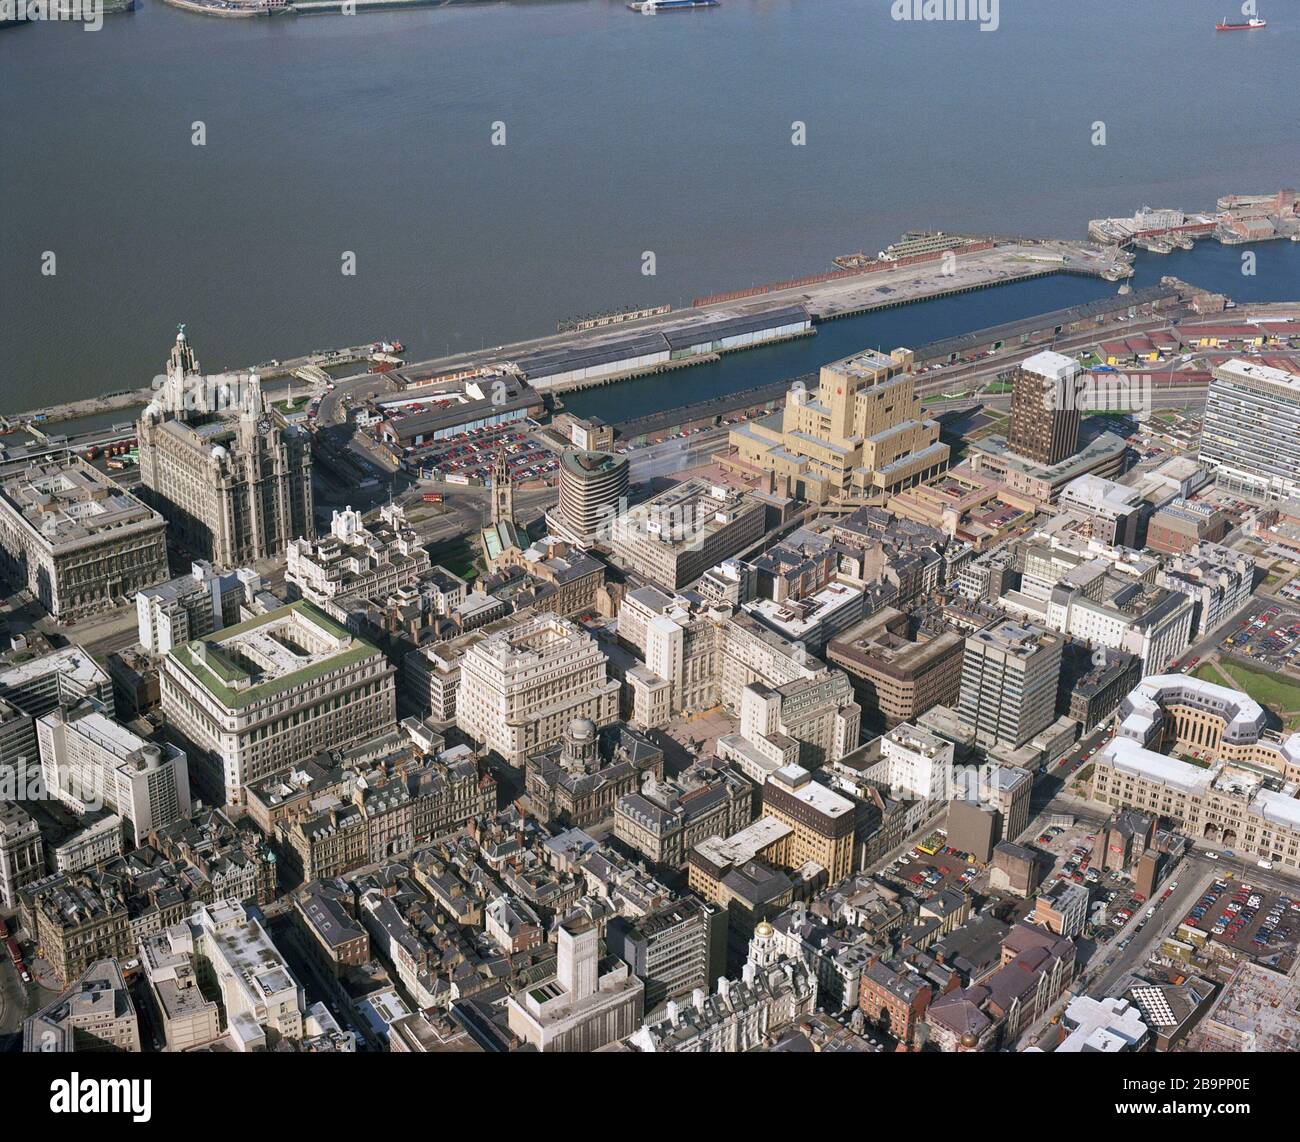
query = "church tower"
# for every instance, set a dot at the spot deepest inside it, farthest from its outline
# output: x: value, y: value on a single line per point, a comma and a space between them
x: 503, y: 493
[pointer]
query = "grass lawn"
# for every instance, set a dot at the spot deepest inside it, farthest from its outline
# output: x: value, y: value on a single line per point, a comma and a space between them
x: 1208, y: 672
x: 1279, y: 693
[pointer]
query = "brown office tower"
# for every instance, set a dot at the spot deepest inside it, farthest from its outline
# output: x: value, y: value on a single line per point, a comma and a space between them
x: 1045, y: 409
x: 1147, y: 874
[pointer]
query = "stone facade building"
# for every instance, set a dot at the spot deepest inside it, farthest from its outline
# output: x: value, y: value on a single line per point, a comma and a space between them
x: 578, y: 782
x: 522, y: 686
x: 270, y: 692
x: 74, y: 539
x: 897, y: 676
x: 860, y: 434
x: 22, y: 852
x: 233, y: 482
x: 664, y: 820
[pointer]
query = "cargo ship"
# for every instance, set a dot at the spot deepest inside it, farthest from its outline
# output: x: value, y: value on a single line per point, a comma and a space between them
x: 1226, y: 25
x: 650, y: 6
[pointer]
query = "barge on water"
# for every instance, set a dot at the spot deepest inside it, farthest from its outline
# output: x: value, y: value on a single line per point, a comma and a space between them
x: 649, y: 7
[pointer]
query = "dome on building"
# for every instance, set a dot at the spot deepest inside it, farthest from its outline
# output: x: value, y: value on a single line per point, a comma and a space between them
x: 582, y: 730
x: 970, y: 1039
x: 764, y: 931
x: 218, y: 452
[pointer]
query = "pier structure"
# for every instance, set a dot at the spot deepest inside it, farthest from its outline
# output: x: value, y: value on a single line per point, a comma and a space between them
x: 765, y: 315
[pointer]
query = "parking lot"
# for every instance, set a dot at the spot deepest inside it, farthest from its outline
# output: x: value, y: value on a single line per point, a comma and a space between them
x: 1291, y: 591
x: 1270, y: 636
x: 1252, y: 920
x: 472, y: 454
x: 924, y: 873
x: 1070, y: 850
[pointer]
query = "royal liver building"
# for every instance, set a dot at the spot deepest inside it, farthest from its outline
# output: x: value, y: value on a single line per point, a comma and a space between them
x: 232, y: 481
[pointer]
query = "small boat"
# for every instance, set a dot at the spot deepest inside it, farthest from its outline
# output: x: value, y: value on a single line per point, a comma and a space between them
x: 648, y: 7
x: 1226, y: 25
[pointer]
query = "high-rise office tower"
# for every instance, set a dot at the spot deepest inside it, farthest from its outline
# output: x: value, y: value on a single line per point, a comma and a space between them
x: 1045, y: 408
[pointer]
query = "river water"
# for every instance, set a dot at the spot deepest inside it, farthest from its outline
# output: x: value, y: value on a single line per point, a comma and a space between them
x: 624, y: 134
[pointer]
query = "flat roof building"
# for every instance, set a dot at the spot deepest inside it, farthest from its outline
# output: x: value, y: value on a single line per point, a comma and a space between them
x: 821, y: 820
x: 272, y: 691
x: 1045, y: 408
x: 76, y: 540
x: 22, y: 852
x: 524, y: 684
x: 860, y: 434
x: 675, y: 537
x: 1116, y: 510
x: 1250, y: 438
x: 1244, y: 799
x: 588, y: 1003
x: 897, y: 676
x: 89, y: 761
x: 357, y: 557
x: 1181, y: 524
x: 593, y: 488
x: 95, y: 1014
x: 192, y: 606
x: 1009, y: 679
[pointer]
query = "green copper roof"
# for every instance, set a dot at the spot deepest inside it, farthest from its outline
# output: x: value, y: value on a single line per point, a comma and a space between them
x: 218, y: 673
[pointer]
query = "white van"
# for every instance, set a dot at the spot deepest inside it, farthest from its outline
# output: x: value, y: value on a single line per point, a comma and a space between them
x: 1264, y: 863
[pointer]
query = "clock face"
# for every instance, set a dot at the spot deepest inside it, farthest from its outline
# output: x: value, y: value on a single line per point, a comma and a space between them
x: 263, y: 424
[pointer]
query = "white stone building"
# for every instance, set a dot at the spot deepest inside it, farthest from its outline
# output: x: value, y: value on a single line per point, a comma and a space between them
x: 357, y: 558
x: 917, y: 763
x: 521, y: 686
x: 89, y: 761
x: 233, y: 482
x: 273, y: 691
x: 192, y: 606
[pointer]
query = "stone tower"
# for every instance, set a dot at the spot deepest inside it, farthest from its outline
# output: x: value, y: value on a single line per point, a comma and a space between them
x: 503, y: 495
